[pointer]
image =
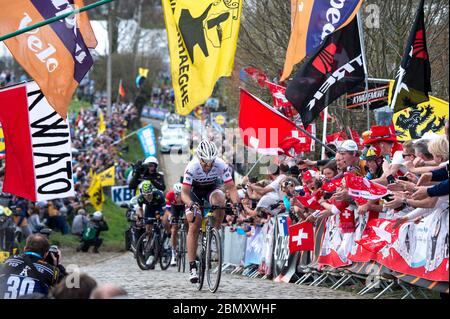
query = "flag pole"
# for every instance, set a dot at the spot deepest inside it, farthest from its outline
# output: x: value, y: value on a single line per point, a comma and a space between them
x: 366, y: 72
x: 254, y: 165
x: 51, y: 20
x: 324, y: 132
x: 109, y: 67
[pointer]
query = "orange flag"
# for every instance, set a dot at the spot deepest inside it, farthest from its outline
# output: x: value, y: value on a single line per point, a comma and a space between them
x: 55, y: 55
x: 311, y: 22
x: 121, y: 90
x: 85, y: 26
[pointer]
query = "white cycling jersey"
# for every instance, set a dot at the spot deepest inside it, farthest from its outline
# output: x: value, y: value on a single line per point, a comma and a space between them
x: 196, y: 177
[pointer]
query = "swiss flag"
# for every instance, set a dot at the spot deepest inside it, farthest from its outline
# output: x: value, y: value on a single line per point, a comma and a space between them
x: 257, y: 75
x: 360, y: 187
x: 301, y: 237
x: 278, y: 94
x: 355, y: 136
x: 337, y: 137
x: 266, y: 130
x: 377, y: 234
x: 309, y: 201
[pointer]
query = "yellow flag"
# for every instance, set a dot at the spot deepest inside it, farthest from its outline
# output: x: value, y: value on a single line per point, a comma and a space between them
x: 202, y: 38
x: 415, y: 121
x: 107, y: 177
x: 95, y: 192
x: 101, y: 124
x: 143, y: 72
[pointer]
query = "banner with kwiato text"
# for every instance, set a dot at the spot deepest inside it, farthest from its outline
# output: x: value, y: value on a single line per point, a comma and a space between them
x: 38, y: 147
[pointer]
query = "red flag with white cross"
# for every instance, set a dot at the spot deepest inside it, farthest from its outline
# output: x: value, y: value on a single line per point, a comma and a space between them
x: 301, y: 237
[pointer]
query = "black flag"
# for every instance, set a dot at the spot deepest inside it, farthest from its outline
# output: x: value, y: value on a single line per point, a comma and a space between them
x: 334, y: 69
x: 412, y: 82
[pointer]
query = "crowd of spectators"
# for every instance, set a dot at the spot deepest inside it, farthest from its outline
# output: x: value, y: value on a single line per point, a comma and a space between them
x: 415, y: 173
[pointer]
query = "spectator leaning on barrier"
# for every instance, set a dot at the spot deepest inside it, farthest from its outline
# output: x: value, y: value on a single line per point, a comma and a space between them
x: 270, y: 193
x: 34, y: 271
x: 349, y: 150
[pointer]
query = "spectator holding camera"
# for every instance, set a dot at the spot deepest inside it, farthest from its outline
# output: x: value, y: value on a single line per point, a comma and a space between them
x: 91, y: 235
x: 33, y: 272
x: 147, y: 170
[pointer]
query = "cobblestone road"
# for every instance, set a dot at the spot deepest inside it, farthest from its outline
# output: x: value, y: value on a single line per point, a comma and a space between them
x: 122, y: 270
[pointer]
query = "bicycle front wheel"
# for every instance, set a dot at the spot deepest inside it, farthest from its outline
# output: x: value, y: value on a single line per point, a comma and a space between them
x: 202, y: 263
x: 181, y: 253
x: 165, y: 253
x: 145, y: 252
x: 213, y: 260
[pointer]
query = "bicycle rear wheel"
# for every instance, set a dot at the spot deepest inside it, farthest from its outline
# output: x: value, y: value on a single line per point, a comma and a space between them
x: 213, y: 260
x: 144, y: 251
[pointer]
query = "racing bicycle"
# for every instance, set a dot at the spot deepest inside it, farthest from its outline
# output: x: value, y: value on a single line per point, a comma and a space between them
x: 211, y: 255
x: 150, y: 250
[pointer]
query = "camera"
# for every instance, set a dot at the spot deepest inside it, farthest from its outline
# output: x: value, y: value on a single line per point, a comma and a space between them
x: 403, y: 178
x: 53, y: 251
x: 327, y: 195
x: 391, y: 179
x: 388, y: 198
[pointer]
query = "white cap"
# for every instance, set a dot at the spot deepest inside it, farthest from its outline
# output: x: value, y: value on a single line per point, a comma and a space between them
x: 97, y: 215
x: 348, y: 146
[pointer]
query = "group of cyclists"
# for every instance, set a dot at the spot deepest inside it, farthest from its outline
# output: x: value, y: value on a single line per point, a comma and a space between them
x: 206, y: 179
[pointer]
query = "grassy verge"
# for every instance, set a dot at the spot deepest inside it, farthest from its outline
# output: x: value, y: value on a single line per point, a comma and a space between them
x: 113, y: 239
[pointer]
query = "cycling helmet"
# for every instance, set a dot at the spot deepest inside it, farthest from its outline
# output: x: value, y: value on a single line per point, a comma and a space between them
x: 207, y: 151
x: 370, y: 154
x: 177, y: 188
x: 97, y: 215
x: 151, y: 160
x: 146, y: 187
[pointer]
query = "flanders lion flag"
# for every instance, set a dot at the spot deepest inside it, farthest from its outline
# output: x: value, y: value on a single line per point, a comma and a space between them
x: 416, y: 120
x: 95, y: 192
x: 107, y: 177
x: 202, y: 38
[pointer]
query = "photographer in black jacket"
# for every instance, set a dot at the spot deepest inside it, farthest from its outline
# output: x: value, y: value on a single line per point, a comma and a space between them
x: 147, y: 170
x: 33, y: 272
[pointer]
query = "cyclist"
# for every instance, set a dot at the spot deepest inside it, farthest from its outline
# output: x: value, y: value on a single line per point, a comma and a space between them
x: 154, y: 205
x: 201, y: 178
x: 147, y: 170
x: 175, y: 208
